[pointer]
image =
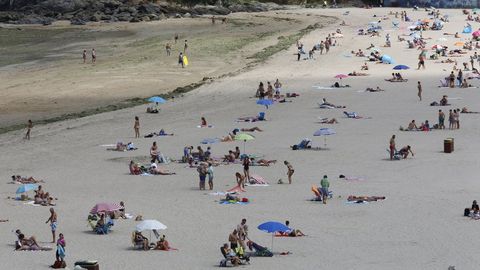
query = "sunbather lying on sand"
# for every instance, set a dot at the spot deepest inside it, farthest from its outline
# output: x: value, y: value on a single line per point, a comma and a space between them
x: 353, y: 198
x: 353, y: 115
x: 292, y: 232
x: 328, y: 121
x: 369, y: 89
x: 163, y: 244
x: 154, y: 169
x: 446, y: 61
x: 261, y: 162
x: 328, y: 105
x: 31, y: 244
x: 465, y: 110
x: 247, y: 130
x: 160, y: 133
x: 354, y: 73
x: 17, y: 179
x: 123, y: 147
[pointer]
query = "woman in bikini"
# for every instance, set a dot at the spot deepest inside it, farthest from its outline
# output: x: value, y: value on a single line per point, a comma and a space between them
x: 136, y: 127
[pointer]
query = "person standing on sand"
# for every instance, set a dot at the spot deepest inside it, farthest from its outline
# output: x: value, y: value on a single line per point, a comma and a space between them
x: 421, y: 60
x: 175, y: 38
x: 290, y: 171
x: 136, y: 127
x: 29, y: 129
x: 185, y: 47
x: 419, y: 86
x: 94, y: 56
x: 61, y: 244
x: 246, y: 168
x: 242, y: 230
x: 450, y: 119
x: 392, y: 147
x: 84, y: 56
x: 53, y: 222
x: 327, y: 46
x: 324, y: 187
x: 210, y: 175
x: 180, y: 60
x: 168, y: 48
x: 441, y: 120
x: 202, y: 174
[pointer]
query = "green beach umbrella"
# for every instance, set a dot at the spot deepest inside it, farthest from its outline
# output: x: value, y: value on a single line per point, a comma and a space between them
x: 244, y: 137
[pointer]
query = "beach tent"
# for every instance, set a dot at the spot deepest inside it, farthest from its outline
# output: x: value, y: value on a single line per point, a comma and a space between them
x: 387, y: 59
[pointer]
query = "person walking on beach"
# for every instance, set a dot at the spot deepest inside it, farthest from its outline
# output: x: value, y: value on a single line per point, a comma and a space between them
x: 419, y: 86
x: 84, y: 56
x: 180, y: 60
x: 94, y: 56
x: 421, y: 60
x: 392, y: 147
x: 29, y: 129
x: 290, y: 171
x: 441, y: 120
x: 210, y: 175
x: 185, y: 46
x: 53, y: 223
x: 242, y: 230
x: 136, y: 127
x: 452, y: 80
x: 324, y: 187
x: 168, y: 48
x: 456, y: 119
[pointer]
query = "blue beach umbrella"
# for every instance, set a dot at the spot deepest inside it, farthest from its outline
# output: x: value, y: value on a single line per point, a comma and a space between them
x: 387, y: 59
x: 26, y: 187
x: 273, y: 227
x: 265, y: 102
x: 400, y: 67
x: 157, y: 99
x: 324, y: 132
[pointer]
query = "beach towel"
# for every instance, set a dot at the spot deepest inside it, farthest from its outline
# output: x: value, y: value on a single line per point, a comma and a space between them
x: 233, y: 202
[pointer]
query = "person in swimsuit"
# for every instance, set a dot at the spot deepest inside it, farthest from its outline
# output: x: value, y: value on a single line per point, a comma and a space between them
x: 168, y: 48
x: 154, y: 153
x: 441, y: 120
x: 233, y: 239
x: 240, y: 180
x: 419, y: 86
x: 84, y: 56
x: 293, y: 232
x: 175, y: 38
x: 180, y: 60
x: 246, y: 168
x: 405, y: 151
x: 61, y: 244
x: 290, y: 171
x: 136, y: 127
x: 210, y: 175
x: 203, y: 122
x: 185, y: 46
x: 392, y: 147
x: 94, y: 56
x: 29, y: 129
x: 53, y: 222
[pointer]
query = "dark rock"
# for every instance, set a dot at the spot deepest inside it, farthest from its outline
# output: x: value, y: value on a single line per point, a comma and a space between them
x: 9, y: 16
x: 96, y: 17
x: 63, y: 6
x: 35, y: 19
x: 148, y: 8
x: 135, y: 19
x: 112, y: 4
x: 123, y: 16
x: 77, y: 21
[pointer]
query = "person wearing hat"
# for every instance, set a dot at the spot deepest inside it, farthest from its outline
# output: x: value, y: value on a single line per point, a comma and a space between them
x: 325, y: 184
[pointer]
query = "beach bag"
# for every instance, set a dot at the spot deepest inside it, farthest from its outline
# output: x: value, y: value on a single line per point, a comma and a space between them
x: 59, y: 264
x: 466, y: 212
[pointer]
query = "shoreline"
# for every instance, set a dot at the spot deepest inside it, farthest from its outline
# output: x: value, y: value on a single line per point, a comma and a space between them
x: 283, y: 43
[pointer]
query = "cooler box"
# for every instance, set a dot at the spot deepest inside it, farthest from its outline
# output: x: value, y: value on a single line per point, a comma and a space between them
x: 90, y: 265
x: 448, y: 145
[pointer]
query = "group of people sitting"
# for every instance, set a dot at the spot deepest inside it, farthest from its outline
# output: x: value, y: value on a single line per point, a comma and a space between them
x: 396, y: 77
x: 271, y: 92
x: 43, y: 198
x: 473, y: 212
x: 136, y: 169
x: 101, y: 223
x: 443, y: 102
x: 412, y: 126
x: 142, y: 242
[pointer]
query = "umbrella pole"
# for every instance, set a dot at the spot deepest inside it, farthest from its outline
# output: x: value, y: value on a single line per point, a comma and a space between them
x: 273, y: 235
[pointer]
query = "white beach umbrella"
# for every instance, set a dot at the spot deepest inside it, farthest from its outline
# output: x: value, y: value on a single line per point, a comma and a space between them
x: 150, y: 225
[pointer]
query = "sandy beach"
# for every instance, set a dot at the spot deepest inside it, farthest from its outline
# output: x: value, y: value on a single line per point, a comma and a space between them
x: 419, y: 226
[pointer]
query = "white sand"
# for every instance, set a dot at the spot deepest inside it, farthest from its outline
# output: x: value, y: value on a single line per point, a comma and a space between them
x: 419, y: 226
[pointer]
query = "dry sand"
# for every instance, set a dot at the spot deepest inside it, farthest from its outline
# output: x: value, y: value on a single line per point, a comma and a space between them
x: 419, y: 226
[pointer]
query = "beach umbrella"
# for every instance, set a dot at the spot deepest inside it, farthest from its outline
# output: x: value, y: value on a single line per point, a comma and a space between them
x: 157, y: 99
x: 387, y: 59
x: 265, y: 102
x: 459, y: 43
x: 340, y: 76
x: 150, y: 225
x: 273, y: 227
x: 400, y: 67
x: 324, y: 132
x: 244, y: 137
x: 105, y: 208
x: 26, y: 187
